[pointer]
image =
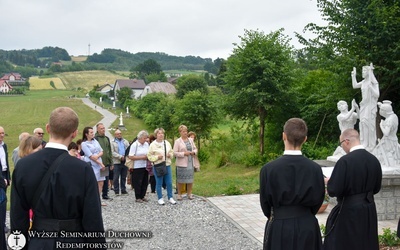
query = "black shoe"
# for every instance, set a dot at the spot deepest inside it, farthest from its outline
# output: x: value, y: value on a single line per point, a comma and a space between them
x: 106, y: 198
x: 124, y: 192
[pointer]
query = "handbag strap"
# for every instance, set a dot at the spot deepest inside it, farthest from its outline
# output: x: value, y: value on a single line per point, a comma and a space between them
x: 46, y: 178
x: 165, y: 151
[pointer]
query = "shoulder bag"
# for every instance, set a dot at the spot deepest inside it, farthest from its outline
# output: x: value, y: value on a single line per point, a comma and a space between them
x: 129, y: 162
x: 161, y: 168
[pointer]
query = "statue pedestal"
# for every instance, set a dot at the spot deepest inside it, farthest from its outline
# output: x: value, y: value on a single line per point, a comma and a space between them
x: 121, y: 127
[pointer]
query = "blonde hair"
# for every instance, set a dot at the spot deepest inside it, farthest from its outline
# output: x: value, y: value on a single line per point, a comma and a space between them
x: 28, y: 144
x: 182, y: 127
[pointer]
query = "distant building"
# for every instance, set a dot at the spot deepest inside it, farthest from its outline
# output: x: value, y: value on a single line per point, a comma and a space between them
x: 14, y: 79
x: 159, y: 87
x: 5, y: 87
x: 136, y: 85
x: 106, y: 89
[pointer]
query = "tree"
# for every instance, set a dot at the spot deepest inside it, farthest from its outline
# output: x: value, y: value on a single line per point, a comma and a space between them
x: 189, y: 83
x: 155, y: 77
x: 259, y: 72
x: 197, y: 112
x: 147, y: 67
x: 356, y: 34
x: 124, y: 94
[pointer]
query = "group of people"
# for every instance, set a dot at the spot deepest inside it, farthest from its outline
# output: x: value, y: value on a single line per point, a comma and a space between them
x: 292, y: 189
x: 149, y: 150
x: 64, y: 188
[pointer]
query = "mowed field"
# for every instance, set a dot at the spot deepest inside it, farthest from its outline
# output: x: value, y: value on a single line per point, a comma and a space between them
x: 38, y: 83
x: 88, y: 79
x: 25, y: 113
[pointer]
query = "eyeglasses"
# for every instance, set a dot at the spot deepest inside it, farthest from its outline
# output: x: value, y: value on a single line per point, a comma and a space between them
x: 40, y: 133
x: 340, y: 143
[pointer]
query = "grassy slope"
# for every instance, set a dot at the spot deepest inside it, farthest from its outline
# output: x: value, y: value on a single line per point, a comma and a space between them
x: 37, y: 83
x: 88, y: 79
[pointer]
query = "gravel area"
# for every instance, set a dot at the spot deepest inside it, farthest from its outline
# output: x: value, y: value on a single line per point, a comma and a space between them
x: 190, y: 224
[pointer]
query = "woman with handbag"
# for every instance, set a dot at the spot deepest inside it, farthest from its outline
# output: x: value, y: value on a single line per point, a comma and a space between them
x: 138, y: 154
x: 161, y: 153
x: 184, y: 151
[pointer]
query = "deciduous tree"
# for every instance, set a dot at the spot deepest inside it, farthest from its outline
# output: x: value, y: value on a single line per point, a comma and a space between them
x: 258, y: 74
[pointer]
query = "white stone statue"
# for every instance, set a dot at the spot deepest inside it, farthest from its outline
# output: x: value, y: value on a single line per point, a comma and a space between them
x: 113, y: 104
x: 101, y: 99
x: 368, y: 105
x: 127, y: 109
x: 347, y: 119
x: 388, y: 148
x: 120, y: 120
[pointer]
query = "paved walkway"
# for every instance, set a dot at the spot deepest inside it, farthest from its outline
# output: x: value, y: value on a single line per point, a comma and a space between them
x: 245, y: 212
x: 108, y: 117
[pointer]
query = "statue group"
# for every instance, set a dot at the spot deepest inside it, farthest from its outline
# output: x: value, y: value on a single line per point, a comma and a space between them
x: 387, y: 148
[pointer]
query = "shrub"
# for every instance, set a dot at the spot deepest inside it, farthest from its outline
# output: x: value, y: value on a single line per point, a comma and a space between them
x: 222, y: 160
x: 203, y: 156
x: 389, y: 238
x: 233, y: 190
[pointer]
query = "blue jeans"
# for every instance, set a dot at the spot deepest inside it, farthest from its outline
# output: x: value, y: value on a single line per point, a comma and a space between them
x: 120, y: 173
x: 168, y: 181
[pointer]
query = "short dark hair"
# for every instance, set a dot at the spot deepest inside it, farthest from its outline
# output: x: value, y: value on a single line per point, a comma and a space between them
x: 73, y: 145
x: 296, y: 131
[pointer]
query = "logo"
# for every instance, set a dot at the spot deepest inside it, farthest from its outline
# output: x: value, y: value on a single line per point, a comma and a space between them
x: 16, y: 240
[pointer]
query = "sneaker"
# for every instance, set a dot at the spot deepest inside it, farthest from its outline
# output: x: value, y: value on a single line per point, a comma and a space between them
x: 161, y: 201
x: 172, y: 201
x: 145, y: 199
x: 139, y: 200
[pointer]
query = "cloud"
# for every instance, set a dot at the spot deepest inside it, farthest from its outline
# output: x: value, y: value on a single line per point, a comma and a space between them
x: 177, y: 27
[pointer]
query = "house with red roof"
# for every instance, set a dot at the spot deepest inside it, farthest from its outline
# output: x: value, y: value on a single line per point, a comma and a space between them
x: 5, y: 87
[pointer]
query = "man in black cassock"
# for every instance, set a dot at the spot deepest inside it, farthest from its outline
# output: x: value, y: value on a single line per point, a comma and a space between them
x: 356, y: 177
x: 291, y: 191
x: 70, y: 199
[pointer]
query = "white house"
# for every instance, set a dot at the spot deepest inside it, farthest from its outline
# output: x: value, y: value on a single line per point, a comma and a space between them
x: 136, y: 85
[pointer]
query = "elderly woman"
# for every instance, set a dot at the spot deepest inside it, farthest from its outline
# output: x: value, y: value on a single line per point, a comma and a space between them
x: 138, y: 154
x: 93, y: 153
x: 160, y: 150
x: 184, y: 151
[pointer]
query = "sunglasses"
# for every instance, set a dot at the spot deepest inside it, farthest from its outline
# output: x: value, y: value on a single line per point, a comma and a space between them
x: 40, y: 133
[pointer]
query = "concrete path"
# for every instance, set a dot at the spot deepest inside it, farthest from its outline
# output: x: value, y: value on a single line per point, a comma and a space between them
x: 108, y: 117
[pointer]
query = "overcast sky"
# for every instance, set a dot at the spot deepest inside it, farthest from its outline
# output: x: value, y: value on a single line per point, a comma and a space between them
x: 205, y: 28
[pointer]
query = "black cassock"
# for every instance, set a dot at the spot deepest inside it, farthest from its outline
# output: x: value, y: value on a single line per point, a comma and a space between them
x: 353, y: 224
x: 292, y: 181
x: 72, y: 193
